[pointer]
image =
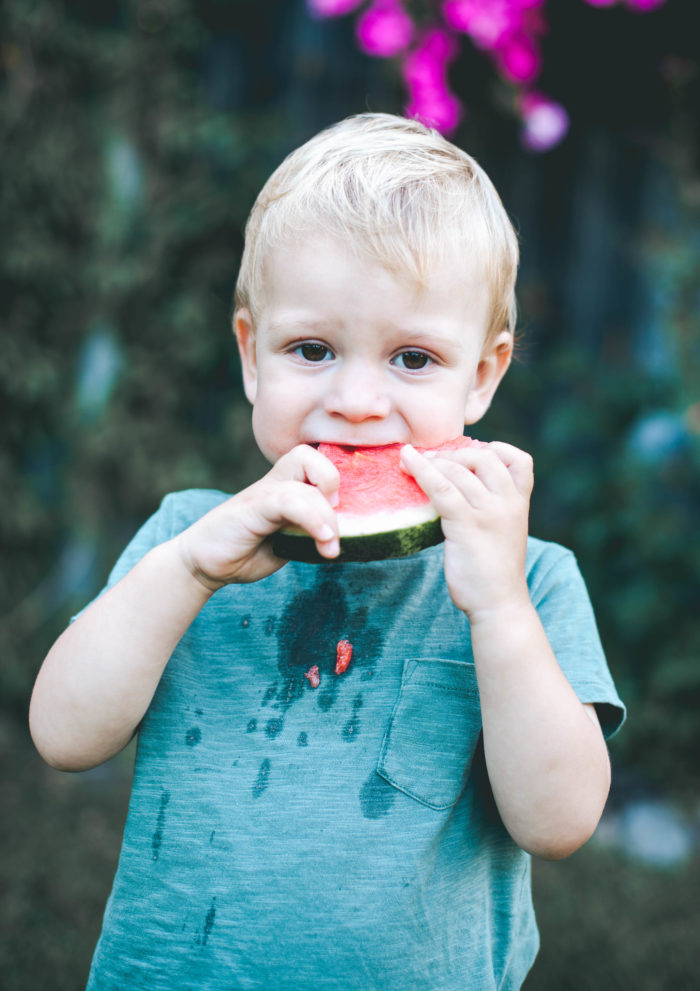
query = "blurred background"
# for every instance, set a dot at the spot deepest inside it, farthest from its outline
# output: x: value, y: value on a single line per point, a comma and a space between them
x: 134, y: 136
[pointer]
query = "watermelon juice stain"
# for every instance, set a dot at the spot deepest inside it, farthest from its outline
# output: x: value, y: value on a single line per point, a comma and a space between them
x: 309, y: 633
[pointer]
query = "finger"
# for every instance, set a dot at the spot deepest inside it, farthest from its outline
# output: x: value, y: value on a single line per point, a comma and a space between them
x: 468, y: 482
x: 304, y: 506
x: 482, y: 462
x: 446, y: 497
x: 519, y: 464
x: 305, y: 464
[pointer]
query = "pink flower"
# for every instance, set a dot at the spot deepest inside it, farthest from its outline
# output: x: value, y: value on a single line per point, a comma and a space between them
x: 426, y: 65
x: 332, y: 8
x: 385, y: 29
x: 438, y: 109
x: 519, y: 59
x: 487, y: 22
x: 545, y: 122
x: 425, y: 74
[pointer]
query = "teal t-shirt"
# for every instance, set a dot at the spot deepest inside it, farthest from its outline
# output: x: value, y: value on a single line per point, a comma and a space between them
x: 306, y: 830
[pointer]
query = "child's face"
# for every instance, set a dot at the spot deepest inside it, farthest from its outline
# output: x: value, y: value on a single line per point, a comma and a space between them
x: 347, y: 353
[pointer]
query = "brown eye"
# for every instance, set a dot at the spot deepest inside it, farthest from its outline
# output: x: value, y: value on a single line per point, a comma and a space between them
x: 413, y: 361
x: 313, y: 352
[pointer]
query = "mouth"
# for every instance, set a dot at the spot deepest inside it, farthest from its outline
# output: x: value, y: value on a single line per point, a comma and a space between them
x: 355, y: 445
x: 350, y: 446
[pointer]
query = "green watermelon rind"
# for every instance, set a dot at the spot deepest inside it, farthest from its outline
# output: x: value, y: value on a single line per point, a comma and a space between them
x: 298, y: 546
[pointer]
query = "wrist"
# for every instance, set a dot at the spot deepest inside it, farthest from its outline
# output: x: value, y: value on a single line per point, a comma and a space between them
x: 182, y: 563
x: 508, y: 613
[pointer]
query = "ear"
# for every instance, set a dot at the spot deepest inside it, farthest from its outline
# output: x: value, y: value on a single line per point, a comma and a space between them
x: 244, y: 329
x: 492, y: 366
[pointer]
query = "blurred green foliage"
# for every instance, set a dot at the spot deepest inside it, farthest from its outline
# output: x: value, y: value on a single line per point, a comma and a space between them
x: 125, y: 190
x: 123, y: 201
x: 618, y: 481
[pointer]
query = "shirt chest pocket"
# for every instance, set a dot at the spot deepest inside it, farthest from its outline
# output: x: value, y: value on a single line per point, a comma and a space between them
x: 433, y: 733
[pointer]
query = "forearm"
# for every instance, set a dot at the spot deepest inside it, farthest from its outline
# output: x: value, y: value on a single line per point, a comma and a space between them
x: 546, y: 756
x: 100, y: 676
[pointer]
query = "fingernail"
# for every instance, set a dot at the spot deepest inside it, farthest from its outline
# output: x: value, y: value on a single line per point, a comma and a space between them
x: 334, y: 498
x: 326, y: 533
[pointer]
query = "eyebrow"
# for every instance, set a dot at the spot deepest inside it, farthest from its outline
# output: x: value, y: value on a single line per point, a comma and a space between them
x: 287, y: 326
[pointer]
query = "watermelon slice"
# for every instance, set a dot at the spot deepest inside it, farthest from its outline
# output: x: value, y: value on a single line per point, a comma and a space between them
x: 382, y: 511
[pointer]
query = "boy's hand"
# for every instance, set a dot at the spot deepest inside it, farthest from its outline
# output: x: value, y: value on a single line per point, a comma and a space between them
x: 229, y: 544
x: 483, y: 496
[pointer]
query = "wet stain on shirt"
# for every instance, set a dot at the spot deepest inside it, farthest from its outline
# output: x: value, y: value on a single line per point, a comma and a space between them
x: 376, y: 797
x: 209, y: 920
x: 309, y: 635
x: 273, y: 728
x: 157, y: 840
x: 252, y: 726
x: 326, y: 700
x: 303, y: 740
x: 193, y: 736
x: 352, y: 726
x: 261, y: 782
x: 270, y: 693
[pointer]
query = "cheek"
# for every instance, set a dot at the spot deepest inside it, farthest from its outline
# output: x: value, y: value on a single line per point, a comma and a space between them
x: 274, y: 424
x: 438, y: 417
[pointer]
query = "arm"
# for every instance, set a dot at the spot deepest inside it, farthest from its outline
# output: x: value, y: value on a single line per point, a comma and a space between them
x: 545, y: 753
x: 99, y: 677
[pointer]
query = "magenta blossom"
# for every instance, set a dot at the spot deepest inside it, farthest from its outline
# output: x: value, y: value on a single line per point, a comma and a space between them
x: 509, y: 31
x: 441, y: 110
x: 545, y: 122
x: 519, y: 59
x: 486, y: 22
x: 332, y: 8
x: 425, y: 75
x: 385, y: 29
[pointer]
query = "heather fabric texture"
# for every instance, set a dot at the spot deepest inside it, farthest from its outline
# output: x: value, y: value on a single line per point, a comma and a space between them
x: 342, y: 836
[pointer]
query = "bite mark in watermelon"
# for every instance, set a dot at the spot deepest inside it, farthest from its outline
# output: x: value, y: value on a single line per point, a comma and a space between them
x: 382, y: 511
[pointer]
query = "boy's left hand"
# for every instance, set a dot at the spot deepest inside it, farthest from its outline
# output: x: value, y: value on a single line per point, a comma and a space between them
x: 482, y: 494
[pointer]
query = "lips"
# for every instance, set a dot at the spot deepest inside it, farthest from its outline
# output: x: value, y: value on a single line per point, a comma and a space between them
x: 358, y: 444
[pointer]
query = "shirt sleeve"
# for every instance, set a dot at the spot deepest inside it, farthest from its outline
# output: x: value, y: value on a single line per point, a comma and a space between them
x: 559, y: 594
x: 175, y: 513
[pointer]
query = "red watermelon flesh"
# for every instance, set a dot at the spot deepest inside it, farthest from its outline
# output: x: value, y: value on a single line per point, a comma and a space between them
x: 382, y: 512
x: 372, y: 480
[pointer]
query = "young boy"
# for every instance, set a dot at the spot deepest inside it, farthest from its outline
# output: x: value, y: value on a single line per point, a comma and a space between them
x: 372, y: 830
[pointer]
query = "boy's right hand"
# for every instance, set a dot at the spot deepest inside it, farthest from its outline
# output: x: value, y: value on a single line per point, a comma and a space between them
x: 229, y: 544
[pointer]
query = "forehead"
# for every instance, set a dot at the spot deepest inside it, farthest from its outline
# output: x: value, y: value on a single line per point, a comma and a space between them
x: 321, y: 257
x: 318, y: 281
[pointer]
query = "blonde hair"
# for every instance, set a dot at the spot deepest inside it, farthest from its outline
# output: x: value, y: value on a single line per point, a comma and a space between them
x: 395, y: 191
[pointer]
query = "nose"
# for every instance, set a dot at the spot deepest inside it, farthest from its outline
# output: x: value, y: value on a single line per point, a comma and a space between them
x: 357, y: 393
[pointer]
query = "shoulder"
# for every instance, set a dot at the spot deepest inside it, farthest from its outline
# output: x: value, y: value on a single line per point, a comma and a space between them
x: 542, y: 555
x: 550, y: 564
x: 179, y: 509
